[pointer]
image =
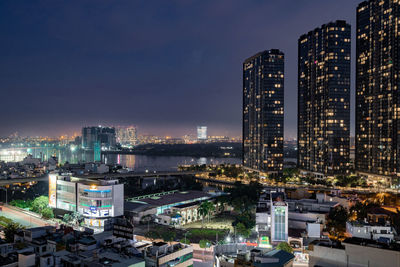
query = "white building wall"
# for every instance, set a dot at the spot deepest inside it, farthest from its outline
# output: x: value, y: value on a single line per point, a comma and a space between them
x: 118, y: 200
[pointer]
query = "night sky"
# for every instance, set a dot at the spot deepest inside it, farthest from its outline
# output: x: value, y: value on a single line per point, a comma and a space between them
x: 165, y: 66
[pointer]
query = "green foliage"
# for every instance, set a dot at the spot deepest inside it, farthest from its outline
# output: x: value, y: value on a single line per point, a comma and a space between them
x: 10, y: 230
x: 210, y: 234
x: 66, y: 218
x: 350, y: 181
x: 205, y: 208
x: 242, y: 230
x: 360, y: 209
x: 246, y: 218
x: 244, y: 197
x: 204, y: 243
x: 336, y: 224
x: 168, y: 236
x: 285, y: 247
x: 185, y: 241
x: 47, y: 213
x: 4, y: 221
x: 40, y: 203
x: 290, y: 172
x: 23, y: 204
x: 153, y: 234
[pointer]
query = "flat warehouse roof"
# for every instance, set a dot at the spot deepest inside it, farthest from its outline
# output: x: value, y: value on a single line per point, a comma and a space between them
x: 174, y: 198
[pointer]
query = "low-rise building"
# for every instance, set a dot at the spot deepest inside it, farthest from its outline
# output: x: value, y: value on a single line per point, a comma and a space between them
x: 161, y: 206
x: 354, y: 252
x: 383, y: 233
x: 162, y: 254
x: 97, y: 200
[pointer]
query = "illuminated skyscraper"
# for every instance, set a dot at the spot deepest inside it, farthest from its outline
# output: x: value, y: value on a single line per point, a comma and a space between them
x: 105, y: 136
x: 127, y: 136
x: 377, y: 88
x: 263, y: 90
x: 324, y: 99
x: 202, y: 132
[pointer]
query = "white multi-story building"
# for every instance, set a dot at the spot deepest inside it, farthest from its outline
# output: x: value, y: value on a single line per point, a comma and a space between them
x: 279, y: 221
x: 201, y: 132
x: 162, y: 254
x: 272, y: 216
x: 97, y: 200
x: 368, y: 231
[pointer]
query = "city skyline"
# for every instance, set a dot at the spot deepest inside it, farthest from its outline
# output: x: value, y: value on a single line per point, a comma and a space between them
x: 91, y: 65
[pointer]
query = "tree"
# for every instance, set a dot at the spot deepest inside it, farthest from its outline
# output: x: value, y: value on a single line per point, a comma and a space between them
x: 40, y: 203
x: 242, y: 230
x: 66, y: 218
x: 168, y: 236
x: 47, y: 213
x: 205, y: 209
x: 185, y: 241
x: 336, y: 224
x: 204, y: 243
x: 10, y: 230
x: 152, y: 235
x: 244, y: 197
x: 360, y: 209
x: 285, y: 247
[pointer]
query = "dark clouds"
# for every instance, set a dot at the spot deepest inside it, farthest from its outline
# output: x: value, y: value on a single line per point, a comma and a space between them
x: 166, y: 66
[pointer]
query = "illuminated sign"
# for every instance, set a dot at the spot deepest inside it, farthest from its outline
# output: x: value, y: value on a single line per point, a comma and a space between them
x: 264, y: 242
x: 53, y: 190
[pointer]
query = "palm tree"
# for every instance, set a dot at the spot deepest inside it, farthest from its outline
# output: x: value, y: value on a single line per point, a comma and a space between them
x: 204, y: 210
x: 211, y: 208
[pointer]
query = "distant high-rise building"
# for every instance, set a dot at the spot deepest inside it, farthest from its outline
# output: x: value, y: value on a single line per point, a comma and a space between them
x: 127, y: 136
x: 104, y: 136
x: 377, y: 88
x: 202, y: 132
x: 263, y: 92
x: 324, y: 99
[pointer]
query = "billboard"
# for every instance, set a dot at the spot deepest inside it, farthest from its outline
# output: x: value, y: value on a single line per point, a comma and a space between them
x: 53, y: 190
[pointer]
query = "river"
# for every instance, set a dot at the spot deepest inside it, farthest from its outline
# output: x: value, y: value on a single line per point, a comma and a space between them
x: 141, y: 163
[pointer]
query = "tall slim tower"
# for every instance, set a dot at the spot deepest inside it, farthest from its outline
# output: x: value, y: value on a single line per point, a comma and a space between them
x: 324, y: 99
x: 263, y: 90
x: 377, y: 87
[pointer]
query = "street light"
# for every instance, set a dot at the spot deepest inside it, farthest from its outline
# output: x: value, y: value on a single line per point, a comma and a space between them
x: 240, y: 239
x: 228, y: 239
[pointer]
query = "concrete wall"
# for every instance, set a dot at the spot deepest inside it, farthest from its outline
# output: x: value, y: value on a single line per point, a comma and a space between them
x: 353, y: 256
x: 327, y: 257
x: 369, y: 256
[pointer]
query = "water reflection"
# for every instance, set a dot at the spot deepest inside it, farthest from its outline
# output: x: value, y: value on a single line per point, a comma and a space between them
x: 162, y: 163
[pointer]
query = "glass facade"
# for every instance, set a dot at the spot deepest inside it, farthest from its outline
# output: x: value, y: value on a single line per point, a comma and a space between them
x: 324, y: 99
x: 280, y: 223
x: 377, y: 81
x: 263, y: 95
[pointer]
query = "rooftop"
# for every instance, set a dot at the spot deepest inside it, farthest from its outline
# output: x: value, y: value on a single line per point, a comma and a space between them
x: 371, y: 243
x: 175, y: 197
x: 274, y: 258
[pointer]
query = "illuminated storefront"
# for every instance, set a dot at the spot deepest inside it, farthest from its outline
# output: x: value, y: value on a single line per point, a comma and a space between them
x: 96, y: 200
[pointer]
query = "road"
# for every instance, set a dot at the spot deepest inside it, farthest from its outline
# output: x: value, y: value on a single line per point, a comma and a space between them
x: 21, y: 217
